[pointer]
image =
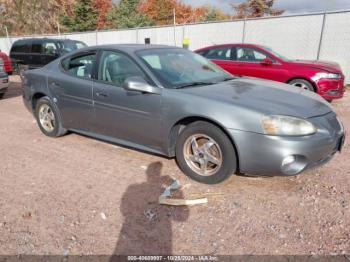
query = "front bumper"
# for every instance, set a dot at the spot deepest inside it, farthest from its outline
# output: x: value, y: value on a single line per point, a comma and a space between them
x: 263, y: 155
x: 331, y: 89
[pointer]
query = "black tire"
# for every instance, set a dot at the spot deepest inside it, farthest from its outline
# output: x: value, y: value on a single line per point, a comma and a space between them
x: 302, y: 83
x: 2, y: 95
x: 228, y: 154
x: 58, y: 130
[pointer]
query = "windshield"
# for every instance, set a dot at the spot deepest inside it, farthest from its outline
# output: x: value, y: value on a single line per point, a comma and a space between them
x: 177, y: 68
x: 277, y: 54
x: 69, y: 46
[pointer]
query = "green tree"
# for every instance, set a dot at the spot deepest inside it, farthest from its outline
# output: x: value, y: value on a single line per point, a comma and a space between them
x: 213, y: 14
x: 126, y: 15
x: 84, y: 17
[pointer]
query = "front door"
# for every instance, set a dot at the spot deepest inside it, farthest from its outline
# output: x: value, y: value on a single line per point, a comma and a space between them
x: 130, y: 116
x: 73, y: 90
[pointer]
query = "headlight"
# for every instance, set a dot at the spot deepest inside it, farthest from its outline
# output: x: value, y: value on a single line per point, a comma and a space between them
x: 328, y: 76
x: 287, y: 126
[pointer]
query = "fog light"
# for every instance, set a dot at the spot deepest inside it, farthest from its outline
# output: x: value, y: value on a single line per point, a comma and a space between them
x: 333, y: 92
x: 293, y: 164
x: 288, y: 160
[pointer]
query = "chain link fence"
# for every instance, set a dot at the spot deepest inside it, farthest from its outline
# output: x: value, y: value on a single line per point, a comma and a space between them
x: 323, y: 36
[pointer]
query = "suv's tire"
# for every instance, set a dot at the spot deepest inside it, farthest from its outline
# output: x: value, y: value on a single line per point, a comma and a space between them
x: 302, y: 83
x: 211, y: 159
x: 2, y: 95
x: 48, y: 118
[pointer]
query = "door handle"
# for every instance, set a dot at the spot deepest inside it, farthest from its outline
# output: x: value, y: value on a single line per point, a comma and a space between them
x: 101, y: 94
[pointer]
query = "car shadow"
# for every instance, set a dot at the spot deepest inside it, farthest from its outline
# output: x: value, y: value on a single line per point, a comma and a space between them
x: 147, y: 226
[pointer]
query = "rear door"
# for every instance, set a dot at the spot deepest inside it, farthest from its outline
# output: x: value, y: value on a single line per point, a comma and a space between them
x: 34, y: 57
x: 222, y: 56
x: 72, y: 87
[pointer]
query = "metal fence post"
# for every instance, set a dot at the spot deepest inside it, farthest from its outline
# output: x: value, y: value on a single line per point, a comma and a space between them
x: 96, y: 37
x: 321, y: 36
x: 244, y: 28
x: 137, y: 35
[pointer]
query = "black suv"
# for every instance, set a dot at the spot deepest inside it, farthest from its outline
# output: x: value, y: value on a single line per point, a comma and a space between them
x: 37, y: 52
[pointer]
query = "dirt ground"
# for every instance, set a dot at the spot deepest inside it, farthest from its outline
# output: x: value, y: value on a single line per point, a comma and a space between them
x: 77, y: 195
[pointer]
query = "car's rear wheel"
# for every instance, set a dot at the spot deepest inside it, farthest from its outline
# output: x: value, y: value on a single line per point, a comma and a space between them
x: 2, y: 95
x: 205, y: 153
x: 48, y: 118
x: 303, y: 84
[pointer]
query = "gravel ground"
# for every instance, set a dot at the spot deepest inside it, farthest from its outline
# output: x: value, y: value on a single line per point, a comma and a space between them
x: 77, y: 195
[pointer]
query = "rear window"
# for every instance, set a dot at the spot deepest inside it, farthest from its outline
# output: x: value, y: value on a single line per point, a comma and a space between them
x: 20, y: 47
x: 80, y: 66
x: 69, y: 46
x: 37, y: 46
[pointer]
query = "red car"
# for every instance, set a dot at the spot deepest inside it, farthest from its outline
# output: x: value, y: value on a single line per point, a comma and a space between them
x: 325, y: 78
x: 7, y: 63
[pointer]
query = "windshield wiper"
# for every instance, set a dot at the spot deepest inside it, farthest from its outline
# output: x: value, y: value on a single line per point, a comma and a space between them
x: 198, y: 83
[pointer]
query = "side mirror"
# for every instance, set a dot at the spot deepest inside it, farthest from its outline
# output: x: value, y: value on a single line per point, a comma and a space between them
x: 138, y: 84
x: 267, y: 62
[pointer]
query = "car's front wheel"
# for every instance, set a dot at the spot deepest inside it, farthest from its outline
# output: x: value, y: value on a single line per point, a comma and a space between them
x: 205, y: 153
x: 303, y: 84
x: 48, y: 118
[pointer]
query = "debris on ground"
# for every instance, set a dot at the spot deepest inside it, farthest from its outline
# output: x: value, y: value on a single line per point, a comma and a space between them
x: 103, y: 216
x: 165, y: 199
x: 182, y: 202
x: 150, y: 214
x: 27, y: 215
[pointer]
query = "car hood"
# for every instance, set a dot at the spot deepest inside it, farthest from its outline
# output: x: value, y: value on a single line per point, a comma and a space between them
x: 266, y: 97
x: 323, y: 65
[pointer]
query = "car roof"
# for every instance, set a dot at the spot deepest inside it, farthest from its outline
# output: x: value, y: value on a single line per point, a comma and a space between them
x: 132, y: 47
x: 232, y: 44
x: 45, y: 38
x: 128, y: 48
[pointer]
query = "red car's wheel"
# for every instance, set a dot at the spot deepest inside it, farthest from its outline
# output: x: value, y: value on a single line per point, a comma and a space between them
x: 303, y: 84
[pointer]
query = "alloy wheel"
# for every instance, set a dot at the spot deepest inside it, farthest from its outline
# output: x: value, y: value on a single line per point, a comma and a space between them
x: 203, y: 154
x: 302, y: 86
x: 47, y: 118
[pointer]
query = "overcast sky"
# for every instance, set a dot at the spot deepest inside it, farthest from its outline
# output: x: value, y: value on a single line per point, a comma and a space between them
x: 291, y: 6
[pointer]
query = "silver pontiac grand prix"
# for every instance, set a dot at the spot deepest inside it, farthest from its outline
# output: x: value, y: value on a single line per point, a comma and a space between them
x: 173, y: 102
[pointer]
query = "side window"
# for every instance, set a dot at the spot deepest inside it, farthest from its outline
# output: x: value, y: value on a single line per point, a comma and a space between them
x: 80, y: 66
x: 246, y: 54
x: 36, y: 47
x: 49, y: 48
x: 220, y: 53
x: 116, y: 68
x: 153, y: 61
x: 20, y: 47
x: 203, y: 53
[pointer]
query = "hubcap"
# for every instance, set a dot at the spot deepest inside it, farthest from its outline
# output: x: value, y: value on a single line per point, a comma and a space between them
x: 47, y: 118
x: 202, y: 154
x: 302, y: 86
